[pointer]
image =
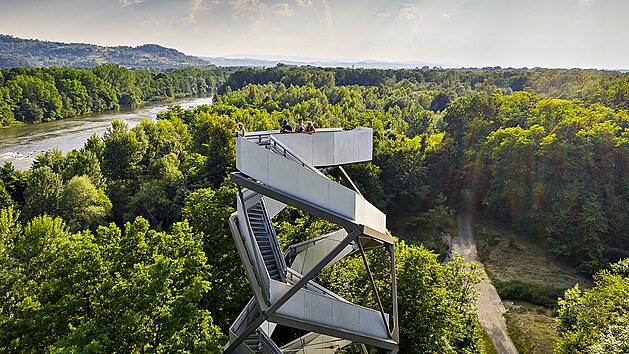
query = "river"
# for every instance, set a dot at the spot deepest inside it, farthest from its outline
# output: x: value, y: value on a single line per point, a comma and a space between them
x: 20, y: 145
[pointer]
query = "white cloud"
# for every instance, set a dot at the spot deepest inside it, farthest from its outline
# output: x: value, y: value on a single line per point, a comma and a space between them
x: 151, y: 21
x: 448, y: 15
x: 282, y: 10
x: 252, y: 10
x: 126, y: 3
x: 304, y: 2
x: 328, y: 16
x: 406, y: 12
x: 195, y: 7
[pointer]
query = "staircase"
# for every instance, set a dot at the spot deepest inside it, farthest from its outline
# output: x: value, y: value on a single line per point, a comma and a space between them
x: 259, y: 343
x: 253, y: 342
x: 266, y: 239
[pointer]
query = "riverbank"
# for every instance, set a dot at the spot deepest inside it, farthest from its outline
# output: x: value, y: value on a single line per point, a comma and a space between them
x: 20, y: 144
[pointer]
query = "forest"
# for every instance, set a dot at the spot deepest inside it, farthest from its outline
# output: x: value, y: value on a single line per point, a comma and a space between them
x: 123, y: 245
x: 31, y: 95
x: 20, y: 52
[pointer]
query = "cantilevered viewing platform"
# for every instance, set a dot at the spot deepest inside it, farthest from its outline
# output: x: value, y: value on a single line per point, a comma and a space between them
x: 275, y: 170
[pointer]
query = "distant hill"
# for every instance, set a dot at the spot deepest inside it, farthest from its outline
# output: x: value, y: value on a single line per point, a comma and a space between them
x: 267, y: 63
x: 35, y: 53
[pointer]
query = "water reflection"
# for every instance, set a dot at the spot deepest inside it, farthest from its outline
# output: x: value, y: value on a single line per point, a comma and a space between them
x: 19, y: 145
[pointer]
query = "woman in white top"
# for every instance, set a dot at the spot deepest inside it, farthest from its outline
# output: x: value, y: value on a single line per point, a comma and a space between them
x: 300, y: 127
x: 241, y: 130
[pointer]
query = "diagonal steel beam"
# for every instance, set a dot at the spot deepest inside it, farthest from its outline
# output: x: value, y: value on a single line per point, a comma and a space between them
x: 241, y: 338
x: 314, y: 271
x: 396, y: 328
x: 349, y: 180
x: 375, y: 289
x: 292, y: 291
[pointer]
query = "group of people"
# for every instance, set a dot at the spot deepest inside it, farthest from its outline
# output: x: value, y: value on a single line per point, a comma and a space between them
x: 286, y: 128
x: 299, y: 128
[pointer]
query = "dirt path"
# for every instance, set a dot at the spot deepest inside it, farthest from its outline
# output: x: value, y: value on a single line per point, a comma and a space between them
x: 490, y: 307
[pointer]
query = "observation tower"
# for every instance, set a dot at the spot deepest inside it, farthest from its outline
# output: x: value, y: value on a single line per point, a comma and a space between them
x: 275, y: 170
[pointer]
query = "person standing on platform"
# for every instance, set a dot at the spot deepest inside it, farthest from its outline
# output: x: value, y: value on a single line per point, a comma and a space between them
x: 310, y: 129
x: 240, y: 130
x: 300, y: 127
x: 286, y: 128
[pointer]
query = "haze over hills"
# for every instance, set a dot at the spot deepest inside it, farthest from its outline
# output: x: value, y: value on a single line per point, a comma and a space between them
x: 20, y: 52
x: 35, y: 53
x: 16, y: 51
x: 326, y: 63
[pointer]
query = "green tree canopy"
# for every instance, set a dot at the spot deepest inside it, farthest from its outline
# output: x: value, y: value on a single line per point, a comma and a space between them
x: 596, y: 320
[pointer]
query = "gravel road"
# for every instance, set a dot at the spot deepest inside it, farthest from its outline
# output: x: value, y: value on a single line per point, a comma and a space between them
x: 490, y: 307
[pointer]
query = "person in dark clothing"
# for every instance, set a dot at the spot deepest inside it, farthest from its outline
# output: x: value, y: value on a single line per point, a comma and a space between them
x: 310, y: 129
x: 286, y: 128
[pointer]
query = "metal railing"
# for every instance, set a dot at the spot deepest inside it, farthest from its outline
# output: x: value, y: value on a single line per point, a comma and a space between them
x: 261, y: 136
x: 266, y: 344
x: 279, y: 148
x: 275, y: 247
x: 264, y: 278
x: 246, y: 317
x: 292, y: 277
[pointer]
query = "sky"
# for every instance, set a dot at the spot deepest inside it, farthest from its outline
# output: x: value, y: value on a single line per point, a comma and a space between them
x: 448, y: 33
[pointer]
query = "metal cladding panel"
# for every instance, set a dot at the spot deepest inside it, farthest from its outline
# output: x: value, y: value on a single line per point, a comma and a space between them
x: 342, y: 200
x: 253, y: 160
x: 239, y: 154
x: 363, y: 144
x: 323, y: 149
x: 301, y: 144
x: 283, y: 174
x: 268, y: 327
x: 314, y: 188
x: 286, y: 139
x: 251, y: 198
x: 242, y: 222
x: 331, y: 148
x: 343, y: 147
x: 374, y: 218
x: 359, y: 212
x: 346, y: 316
x: 294, y: 307
x: 369, y: 215
x: 371, y: 323
x: 318, y: 308
x: 325, y: 311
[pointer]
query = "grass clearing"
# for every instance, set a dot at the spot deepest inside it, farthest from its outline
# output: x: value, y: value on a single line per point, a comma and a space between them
x: 508, y: 257
x: 532, y: 328
x: 523, y: 269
